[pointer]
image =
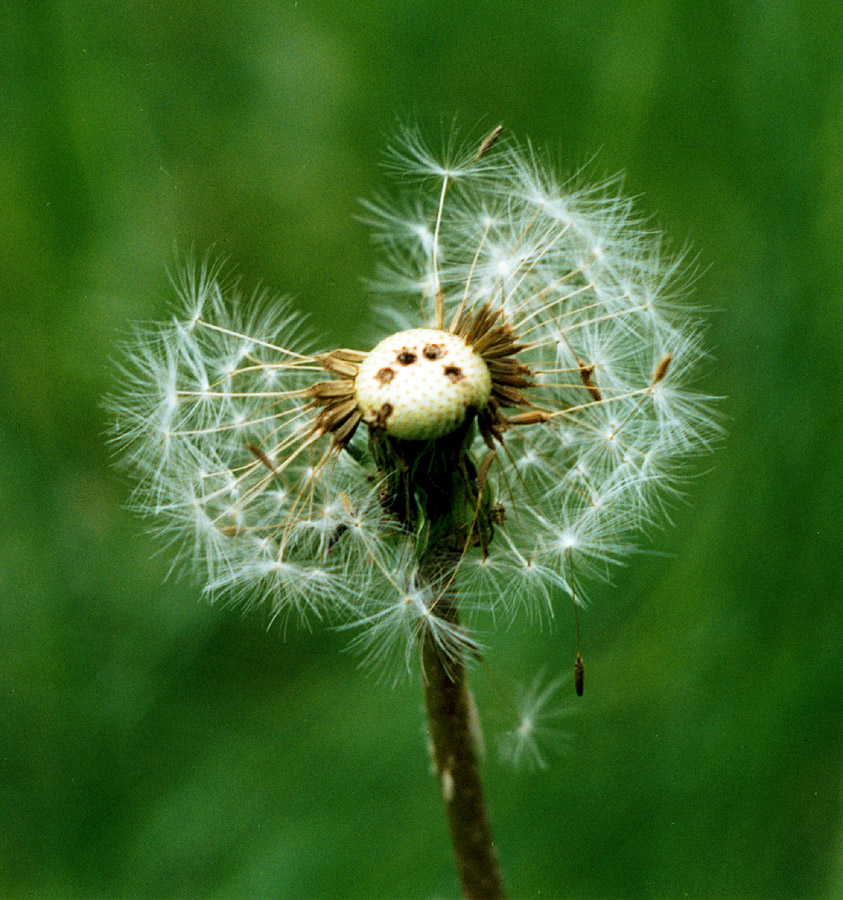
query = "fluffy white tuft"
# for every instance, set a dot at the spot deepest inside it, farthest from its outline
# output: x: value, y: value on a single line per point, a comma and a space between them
x: 213, y: 417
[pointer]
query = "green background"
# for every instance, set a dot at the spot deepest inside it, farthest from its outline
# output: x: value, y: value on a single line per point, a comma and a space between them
x: 154, y: 747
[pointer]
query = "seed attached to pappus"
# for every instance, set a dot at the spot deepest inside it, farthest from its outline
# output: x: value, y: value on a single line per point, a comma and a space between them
x: 579, y: 675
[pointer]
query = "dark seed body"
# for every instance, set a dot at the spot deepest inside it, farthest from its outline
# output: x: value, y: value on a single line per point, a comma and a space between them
x: 579, y: 675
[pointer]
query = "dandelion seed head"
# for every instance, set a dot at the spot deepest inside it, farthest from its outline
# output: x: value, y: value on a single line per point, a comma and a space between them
x: 533, y: 315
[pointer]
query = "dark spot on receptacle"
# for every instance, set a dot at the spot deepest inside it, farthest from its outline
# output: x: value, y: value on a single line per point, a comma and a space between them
x: 406, y: 357
x: 434, y: 351
x: 454, y: 374
x: 377, y: 418
x: 384, y: 375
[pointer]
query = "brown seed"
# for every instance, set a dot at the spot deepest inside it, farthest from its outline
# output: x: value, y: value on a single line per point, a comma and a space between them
x: 341, y: 362
x: 342, y: 434
x: 533, y: 417
x: 587, y: 376
x: 262, y: 457
x: 489, y: 141
x: 384, y: 375
x: 324, y: 392
x: 661, y: 368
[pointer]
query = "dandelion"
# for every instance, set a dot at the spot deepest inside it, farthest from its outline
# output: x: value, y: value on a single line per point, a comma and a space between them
x: 499, y: 451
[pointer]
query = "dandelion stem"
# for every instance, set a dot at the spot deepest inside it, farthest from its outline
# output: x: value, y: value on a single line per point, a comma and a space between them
x: 449, y: 710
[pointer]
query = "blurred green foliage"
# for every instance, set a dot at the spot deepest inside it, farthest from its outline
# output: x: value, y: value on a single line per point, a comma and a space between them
x: 154, y: 747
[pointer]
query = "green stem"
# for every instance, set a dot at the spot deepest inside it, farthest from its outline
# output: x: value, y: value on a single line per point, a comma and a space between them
x: 449, y: 710
x: 432, y: 489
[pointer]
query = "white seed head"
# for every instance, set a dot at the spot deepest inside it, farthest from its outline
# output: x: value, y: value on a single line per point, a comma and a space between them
x: 243, y: 443
x: 420, y: 384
